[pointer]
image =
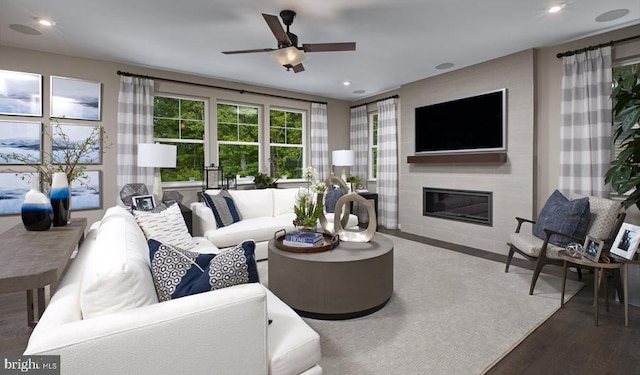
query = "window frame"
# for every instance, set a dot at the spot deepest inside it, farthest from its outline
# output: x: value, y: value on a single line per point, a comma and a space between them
x: 260, y: 110
x: 204, y: 141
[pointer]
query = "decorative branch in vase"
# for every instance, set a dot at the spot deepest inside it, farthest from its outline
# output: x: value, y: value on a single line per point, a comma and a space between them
x: 70, y: 154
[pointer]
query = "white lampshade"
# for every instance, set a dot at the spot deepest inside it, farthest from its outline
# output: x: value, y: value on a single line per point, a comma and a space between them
x: 288, y: 56
x: 343, y: 158
x: 156, y: 155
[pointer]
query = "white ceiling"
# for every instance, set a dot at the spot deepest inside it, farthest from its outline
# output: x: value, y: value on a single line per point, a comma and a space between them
x: 398, y: 41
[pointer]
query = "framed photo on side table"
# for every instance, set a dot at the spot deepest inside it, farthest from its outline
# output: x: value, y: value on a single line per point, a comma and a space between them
x: 626, y: 243
x: 592, y: 249
x: 144, y: 202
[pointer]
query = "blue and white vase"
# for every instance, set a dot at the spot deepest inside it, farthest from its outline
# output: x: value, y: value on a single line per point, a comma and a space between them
x: 37, y: 213
x: 60, y: 199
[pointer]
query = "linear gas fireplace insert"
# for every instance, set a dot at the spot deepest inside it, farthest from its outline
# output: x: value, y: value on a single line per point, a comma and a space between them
x: 461, y: 205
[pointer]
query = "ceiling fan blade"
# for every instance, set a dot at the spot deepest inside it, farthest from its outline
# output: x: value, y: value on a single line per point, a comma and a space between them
x: 276, y: 29
x: 298, y: 68
x: 248, y: 51
x: 328, y: 47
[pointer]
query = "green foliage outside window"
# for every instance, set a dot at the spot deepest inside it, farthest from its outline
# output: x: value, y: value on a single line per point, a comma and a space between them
x: 181, y: 122
x: 238, y: 139
x: 374, y: 145
x: 286, y: 138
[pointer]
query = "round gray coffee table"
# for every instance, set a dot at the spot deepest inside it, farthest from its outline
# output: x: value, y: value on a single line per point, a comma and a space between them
x: 352, y: 280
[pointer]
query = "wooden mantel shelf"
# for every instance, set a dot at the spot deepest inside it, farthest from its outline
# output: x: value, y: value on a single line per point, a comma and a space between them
x: 488, y: 157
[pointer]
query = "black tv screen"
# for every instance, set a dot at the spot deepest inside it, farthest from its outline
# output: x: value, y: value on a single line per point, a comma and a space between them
x: 473, y: 124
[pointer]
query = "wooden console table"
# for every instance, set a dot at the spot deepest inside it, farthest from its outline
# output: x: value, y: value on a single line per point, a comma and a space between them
x: 32, y: 260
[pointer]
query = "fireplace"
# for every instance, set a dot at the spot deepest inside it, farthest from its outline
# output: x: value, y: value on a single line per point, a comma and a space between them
x: 461, y: 205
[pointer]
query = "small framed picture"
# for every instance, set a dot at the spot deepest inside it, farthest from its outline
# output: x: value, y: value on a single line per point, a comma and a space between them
x: 592, y: 249
x: 626, y: 243
x: 144, y: 202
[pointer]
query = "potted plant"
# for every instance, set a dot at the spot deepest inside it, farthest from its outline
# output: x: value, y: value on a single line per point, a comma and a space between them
x: 264, y: 181
x: 624, y: 174
x: 354, y: 181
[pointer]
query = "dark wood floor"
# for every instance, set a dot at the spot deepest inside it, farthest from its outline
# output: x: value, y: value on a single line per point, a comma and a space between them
x: 567, y: 343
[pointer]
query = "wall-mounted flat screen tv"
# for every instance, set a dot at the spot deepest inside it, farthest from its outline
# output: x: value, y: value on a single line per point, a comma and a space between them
x: 474, y: 124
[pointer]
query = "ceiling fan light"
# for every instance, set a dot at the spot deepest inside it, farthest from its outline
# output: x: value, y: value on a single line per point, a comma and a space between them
x: 288, y: 56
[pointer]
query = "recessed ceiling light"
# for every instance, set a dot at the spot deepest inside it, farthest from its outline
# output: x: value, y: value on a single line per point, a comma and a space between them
x: 556, y: 8
x: 346, y: 83
x: 44, y: 21
x: 446, y: 65
x: 612, y: 15
x: 24, y: 29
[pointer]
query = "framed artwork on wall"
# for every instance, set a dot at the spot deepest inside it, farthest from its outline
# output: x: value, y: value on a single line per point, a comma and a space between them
x: 626, y: 243
x: 20, y: 93
x: 76, y: 134
x: 87, y: 195
x: 144, y: 202
x: 13, y: 187
x: 20, y: 142
x: 75, y: 98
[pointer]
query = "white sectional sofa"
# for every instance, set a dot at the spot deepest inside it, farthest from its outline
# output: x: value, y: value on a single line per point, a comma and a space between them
x: 105, y: 318
x: 263, y: 212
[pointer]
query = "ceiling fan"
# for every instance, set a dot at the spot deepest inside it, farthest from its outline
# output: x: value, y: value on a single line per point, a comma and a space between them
x: 288, y: 54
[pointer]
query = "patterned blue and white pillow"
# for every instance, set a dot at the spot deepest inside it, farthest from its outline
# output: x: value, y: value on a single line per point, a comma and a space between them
x: 178, y: 273
x: 223, y: 207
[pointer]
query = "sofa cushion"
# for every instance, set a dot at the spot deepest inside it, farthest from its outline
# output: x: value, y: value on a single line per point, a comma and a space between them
x: 167, y: 226
x: 293, y: 346
x: 283, y: 200
x: 253, y: 203
x: 565, y: 216
x: 257, y: 229
x: 223, y: 208
x: 178, y: 273
x: 117, y: 276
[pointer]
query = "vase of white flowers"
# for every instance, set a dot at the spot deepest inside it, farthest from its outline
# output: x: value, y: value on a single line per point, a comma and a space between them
x: 309, y: 205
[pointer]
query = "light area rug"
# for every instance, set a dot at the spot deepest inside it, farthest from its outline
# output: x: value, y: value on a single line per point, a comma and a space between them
x: 450, y: 313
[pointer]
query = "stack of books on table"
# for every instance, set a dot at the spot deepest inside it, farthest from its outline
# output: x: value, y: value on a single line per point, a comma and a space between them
x: 303, y: 239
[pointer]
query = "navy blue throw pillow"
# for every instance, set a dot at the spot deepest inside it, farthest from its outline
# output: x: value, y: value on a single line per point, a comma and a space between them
x: 178, y: 273
x: 565, y: 216
x: 331, y: 198
x: 223, y: 207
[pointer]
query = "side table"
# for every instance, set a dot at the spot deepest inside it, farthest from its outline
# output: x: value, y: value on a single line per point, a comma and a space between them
x: 368, y: 195
x: 599, y: 269
x: 34, y: 260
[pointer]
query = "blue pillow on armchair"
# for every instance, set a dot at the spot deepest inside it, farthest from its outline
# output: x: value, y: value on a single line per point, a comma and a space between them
x: 565, y: 216
x: 331, y: 198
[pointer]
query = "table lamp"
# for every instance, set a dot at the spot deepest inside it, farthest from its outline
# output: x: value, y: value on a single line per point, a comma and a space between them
x: 343, y: 158
x: 156, y: 155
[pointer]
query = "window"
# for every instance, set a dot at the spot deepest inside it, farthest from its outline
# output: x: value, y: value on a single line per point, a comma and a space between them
x: 181, y: 121
x: 238, y: 139
x: 373, y: 145
x: 286, y: 146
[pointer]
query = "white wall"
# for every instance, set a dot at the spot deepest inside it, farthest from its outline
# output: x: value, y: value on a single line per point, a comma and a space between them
x: 512, y: 183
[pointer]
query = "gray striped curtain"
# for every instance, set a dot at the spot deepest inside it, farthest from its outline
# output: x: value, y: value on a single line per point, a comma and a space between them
x: 135, y: 125
x: 387, y: 171
x: 319, y: 140
x: 359, y: 140
x: 585, y: 132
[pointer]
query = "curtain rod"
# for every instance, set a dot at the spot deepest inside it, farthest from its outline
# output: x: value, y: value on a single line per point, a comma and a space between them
x: 375, y: 101
x: 591, y: 48
x: 127, y: 74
